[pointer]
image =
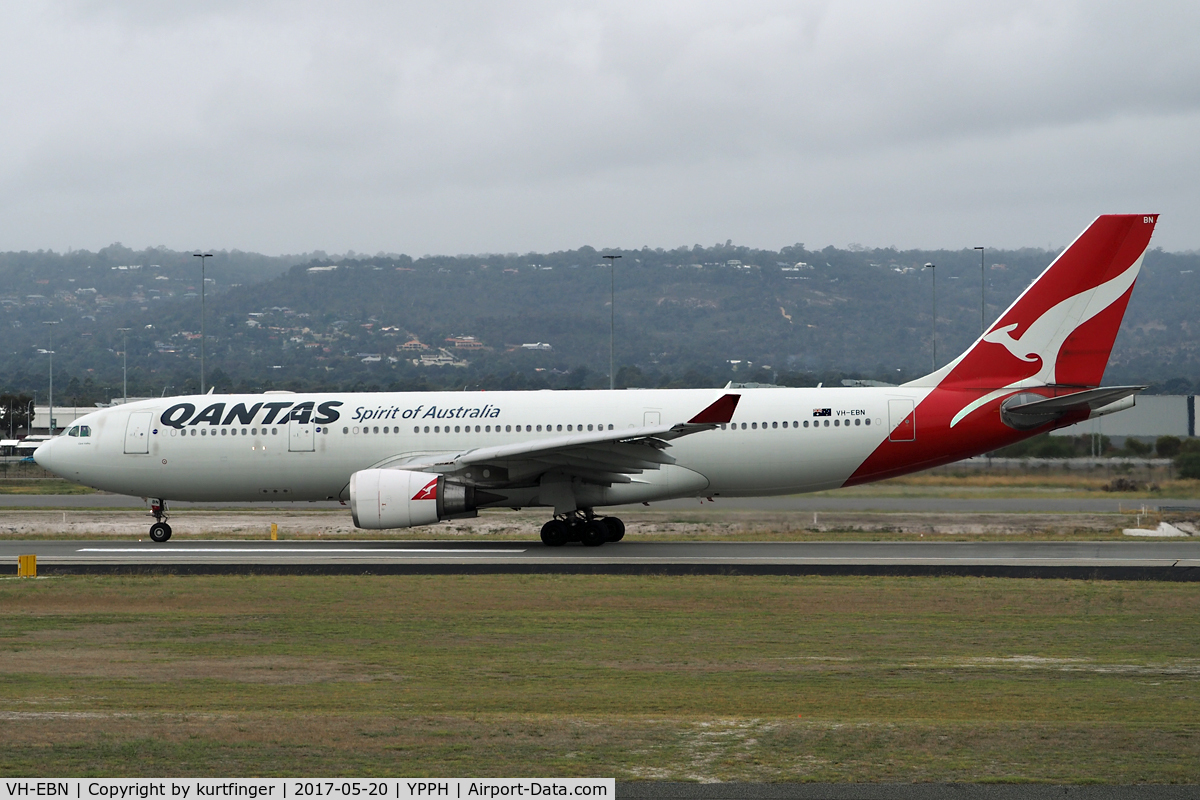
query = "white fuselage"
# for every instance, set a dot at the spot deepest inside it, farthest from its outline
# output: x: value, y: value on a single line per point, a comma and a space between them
x: 777, y: 443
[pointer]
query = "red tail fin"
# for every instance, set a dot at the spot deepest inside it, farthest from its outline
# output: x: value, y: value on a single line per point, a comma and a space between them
x: 1061, y: 329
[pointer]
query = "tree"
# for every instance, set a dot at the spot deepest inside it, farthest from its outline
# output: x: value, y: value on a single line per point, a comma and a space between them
x: 15, y: 411
x: 1188, y: 465
x: 1167, y: 446
x: 1136, y: 446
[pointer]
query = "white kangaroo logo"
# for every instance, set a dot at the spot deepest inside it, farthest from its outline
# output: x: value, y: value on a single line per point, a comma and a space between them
x: 1044, y: 338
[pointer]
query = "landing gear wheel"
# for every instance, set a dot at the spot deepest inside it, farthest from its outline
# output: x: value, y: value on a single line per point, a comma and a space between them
x: 593, y: 533
x: 554, y: 533
x: 160, y: 531
x: 616, y: 528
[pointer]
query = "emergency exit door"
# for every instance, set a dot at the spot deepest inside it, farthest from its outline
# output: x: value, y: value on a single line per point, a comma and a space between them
x: 300, y: 437
x: 903, y: 418
x: 137, y: 432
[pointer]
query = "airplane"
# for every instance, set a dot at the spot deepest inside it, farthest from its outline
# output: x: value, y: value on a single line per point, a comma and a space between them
x: 407, y: 459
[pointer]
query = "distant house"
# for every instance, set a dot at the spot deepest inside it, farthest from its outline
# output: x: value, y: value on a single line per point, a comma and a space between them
x: 465, y: 342
x: 322, y: 269
x: 442, y: 358
x: 536, y: 346
x: 414, y: 344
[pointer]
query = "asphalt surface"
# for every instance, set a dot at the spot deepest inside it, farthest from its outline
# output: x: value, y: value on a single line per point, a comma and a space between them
x: 798, y: 503
x: 1163, y: 560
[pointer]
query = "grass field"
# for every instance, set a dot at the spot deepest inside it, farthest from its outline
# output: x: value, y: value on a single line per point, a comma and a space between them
x: 702, y: 678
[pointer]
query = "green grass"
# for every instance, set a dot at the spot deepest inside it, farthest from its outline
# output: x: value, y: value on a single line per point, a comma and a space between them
x: 729, y: 678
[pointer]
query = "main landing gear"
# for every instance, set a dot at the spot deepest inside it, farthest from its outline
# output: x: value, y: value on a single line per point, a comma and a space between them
x: 584, y: 527
x: 160, y: 531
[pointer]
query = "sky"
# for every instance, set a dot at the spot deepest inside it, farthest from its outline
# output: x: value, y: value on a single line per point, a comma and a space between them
x: 467, y: 127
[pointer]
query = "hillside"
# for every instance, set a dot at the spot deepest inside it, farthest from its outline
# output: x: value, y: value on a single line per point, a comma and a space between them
x: 690, y: 316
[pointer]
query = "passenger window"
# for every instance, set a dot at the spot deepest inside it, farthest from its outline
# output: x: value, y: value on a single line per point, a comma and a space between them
x: 785, y: 423
x: 754, y: 425
x: 775, y: 424
x: 806, y: 423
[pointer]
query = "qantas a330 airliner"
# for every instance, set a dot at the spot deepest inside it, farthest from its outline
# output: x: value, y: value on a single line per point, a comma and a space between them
x: 405, y: 459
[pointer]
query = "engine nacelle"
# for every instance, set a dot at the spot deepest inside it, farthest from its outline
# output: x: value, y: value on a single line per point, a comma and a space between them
x: 397, y: 498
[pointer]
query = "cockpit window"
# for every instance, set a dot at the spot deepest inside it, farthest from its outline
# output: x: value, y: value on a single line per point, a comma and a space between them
x: 80, y: 430
x: 74, y: 431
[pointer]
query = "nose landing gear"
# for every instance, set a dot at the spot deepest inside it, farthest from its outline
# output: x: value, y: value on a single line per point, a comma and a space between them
x: 160, y: 531
x: 582, y: 526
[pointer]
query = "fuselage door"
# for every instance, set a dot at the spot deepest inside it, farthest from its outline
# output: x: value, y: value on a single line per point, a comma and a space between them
x: 903, y: 419
x: 137, y: 432
x: 300, y: 436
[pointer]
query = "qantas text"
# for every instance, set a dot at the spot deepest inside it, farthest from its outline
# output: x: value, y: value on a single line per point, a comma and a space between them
x: 281, y: 412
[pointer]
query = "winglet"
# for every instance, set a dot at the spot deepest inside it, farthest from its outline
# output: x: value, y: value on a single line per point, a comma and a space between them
x: 719, y: 412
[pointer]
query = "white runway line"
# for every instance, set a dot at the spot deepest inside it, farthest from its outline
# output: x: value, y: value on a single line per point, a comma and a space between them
x: 317, y: 550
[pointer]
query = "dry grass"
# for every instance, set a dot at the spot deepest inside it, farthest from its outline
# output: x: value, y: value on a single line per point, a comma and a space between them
x: 705, y: 523
x: 684, y: 678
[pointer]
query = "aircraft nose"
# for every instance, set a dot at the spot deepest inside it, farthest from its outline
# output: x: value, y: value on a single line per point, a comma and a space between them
x: 42, y: 456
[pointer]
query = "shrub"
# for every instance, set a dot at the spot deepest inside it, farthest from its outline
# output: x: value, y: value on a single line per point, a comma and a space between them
x: 1188, y: 465
x: 1136, y: 447
x: 1167, y: 446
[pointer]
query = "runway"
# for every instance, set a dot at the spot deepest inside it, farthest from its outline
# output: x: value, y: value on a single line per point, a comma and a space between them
x: 797, y: 503
x: 1173, y: 560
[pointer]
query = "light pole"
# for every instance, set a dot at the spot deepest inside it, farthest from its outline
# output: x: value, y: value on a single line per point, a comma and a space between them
x: 982, y: 294
x: 203, y: 260
x: 50, y: 421
x: 612, y: 318
x: 124, y: 364
x: 933, y: 273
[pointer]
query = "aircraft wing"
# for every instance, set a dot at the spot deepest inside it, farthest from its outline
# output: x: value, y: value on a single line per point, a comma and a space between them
x: 603, y: 457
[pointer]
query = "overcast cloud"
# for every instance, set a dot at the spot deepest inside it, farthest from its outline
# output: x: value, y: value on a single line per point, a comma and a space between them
x: 457, y: 127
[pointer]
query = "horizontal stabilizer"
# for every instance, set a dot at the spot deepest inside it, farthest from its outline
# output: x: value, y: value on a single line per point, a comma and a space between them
x: 1027, y: 410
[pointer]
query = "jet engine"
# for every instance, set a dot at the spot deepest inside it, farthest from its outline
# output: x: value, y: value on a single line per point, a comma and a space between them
x: 397, y: 498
